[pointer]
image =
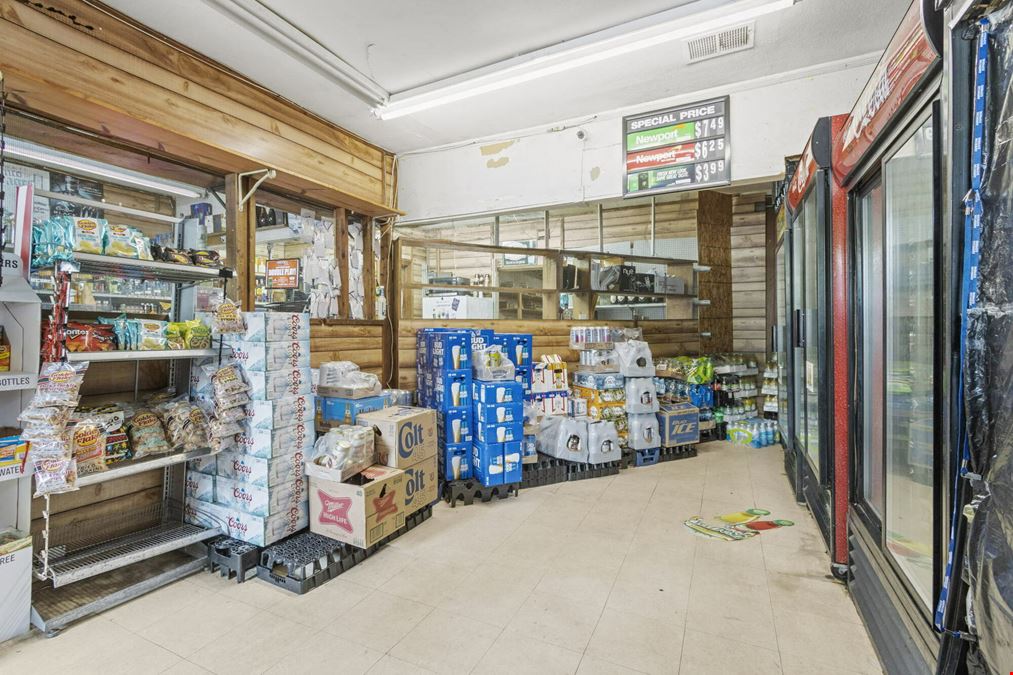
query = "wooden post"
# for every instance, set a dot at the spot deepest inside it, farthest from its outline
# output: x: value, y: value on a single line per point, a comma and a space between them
x: 391, y: 357
x: 341, y: 255
x: 241, y: 242
x: 368, y: 271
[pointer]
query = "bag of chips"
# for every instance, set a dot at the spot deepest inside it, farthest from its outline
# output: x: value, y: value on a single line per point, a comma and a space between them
x: 196, y: 334
x: 101, y: 338
x: 206, y: 258
x: 88, y: 445
x: 89, y: 235
x: 175, y: 335
x: 171, y: 255
x: 228, y: 318
x: 227, y: 380
x: 54, y: 466
x: 147, y: 435
x: 75, y: 336
x: 219, y: 428
x: 121, y: 241
x: 151, y: 335
x: 119, y: 324
x: 59, y: 384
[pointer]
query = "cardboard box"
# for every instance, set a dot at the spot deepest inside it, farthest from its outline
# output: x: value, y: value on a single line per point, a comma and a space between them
x: 450, y: 350
x: 206, y: 465
x: 268, y: 443
x: 285, y: 326
x: 679, y: 424
x: 199, y: 486
x: 600, y: 395
x: 260, y: 471
x: 499, y: 433
x: 269, y: 356
x: 552, y: 404
x: 259, y: 500
x: 577, y: 407
x: 462, y: 451
x: 289, y: 382
x: 522, y: 375
x: 405, y: 435
x: 333, y: 412
x: 529, y: 449
x: 15, y: 583
x: 499, y: 413
x: 420, y: 485
x: 549, y: 377
x: 282, y: 412
x: 487, y: 463
x: 497, y: 392
x: 452, y: 389
x: 455, y: 425
x: 361, y: 511
x: 513, y: 454
x: 256, y: 530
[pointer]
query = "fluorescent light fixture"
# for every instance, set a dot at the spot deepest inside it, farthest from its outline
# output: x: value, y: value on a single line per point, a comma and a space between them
x: 679, y: 23
x: 47, y: 158
x: 289, y: 38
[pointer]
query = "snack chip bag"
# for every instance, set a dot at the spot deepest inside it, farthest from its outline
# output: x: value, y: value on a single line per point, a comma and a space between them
x: 147, y: 435
x: 54, y: 466
x: 88, y: 444
x: 89, y: 234
x: 59, y: 384
x: 196, y: 334
x: 174, y: 335
x: 228, y: 318
x: 121, y: 241
x: 120, y: 328
x: 151, y: 335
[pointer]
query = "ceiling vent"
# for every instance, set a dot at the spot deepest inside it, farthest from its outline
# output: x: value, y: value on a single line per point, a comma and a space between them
x: 727, y: 41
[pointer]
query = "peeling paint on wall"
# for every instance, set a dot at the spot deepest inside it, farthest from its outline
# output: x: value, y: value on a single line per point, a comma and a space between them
x: 595, y: 172
x: 493, y: 148
x: 497, y: 163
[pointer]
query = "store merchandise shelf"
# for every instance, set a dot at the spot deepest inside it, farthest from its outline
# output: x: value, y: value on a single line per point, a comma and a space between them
x: 155, y: 298
x: 92, y: 263
x: 728, y: 370
x: 767, y: 391
x: 631, y: 305
x: 129, y: 468
x: 770, y: 408
x: 652, y: 294
x: 122, y: 551
x: 132, y: 355
x: 55, y: 608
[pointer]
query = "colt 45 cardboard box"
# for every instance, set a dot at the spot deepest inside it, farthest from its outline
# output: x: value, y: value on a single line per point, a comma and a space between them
x: 404, y: 435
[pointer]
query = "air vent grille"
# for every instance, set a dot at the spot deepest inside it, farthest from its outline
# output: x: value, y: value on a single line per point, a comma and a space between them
x: 712, y: 45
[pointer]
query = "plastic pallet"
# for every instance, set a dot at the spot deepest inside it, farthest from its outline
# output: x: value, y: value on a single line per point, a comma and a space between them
x: 648, y: 457
x: 546, y: 471
x: 678, y: 452
x: 629, y: 459
x: 304, y: 561
x: 579, y: 471
x: 470, y: 490
x: 229, y: 557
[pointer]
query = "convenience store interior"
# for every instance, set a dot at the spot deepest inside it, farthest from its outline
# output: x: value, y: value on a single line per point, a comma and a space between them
x: 666, y: 337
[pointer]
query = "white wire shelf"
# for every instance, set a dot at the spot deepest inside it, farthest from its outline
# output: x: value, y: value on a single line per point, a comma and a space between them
x: 152, y: 355
x: 121, y: 551
x: 131, y: 467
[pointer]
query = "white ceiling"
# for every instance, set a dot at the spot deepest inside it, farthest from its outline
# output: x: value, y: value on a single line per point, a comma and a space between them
x: 401, y: 45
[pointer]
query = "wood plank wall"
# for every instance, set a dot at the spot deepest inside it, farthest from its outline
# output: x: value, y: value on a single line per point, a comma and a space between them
x: 667, y: 338
x: 99, y: 71
x: 749, y: 276
x: 713, y: 243
x: 358, y: 341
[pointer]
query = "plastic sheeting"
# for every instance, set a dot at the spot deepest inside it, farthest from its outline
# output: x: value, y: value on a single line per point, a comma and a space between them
x: 988, y: 374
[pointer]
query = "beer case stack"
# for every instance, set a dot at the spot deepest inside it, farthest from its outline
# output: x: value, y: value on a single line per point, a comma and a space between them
x: 255, y: 488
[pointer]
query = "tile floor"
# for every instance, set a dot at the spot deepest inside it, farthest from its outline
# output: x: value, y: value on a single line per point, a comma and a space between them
x: 597, y: 576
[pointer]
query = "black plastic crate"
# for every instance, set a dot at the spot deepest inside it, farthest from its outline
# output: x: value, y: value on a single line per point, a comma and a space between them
x: 231, y: 557
x: 648, y: 457
x: 679, y: 452
x: 546, y: 471
x: 468, y: 491
x: 581, y: 471
x: 304, y: 561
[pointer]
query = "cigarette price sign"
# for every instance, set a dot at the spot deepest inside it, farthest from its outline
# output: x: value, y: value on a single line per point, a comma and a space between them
x: 681, y: 148
x: 283, y: 273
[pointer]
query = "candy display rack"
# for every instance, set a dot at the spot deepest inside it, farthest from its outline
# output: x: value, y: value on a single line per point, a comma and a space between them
x: 103, y: 562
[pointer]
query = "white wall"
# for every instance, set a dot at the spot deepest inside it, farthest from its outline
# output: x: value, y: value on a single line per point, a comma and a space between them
x: 770, y: 119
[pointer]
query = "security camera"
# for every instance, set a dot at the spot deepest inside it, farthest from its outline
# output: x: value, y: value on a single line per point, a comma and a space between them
x: 581, y: 134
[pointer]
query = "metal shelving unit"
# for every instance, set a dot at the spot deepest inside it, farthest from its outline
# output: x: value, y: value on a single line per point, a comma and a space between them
x: 97, y: 564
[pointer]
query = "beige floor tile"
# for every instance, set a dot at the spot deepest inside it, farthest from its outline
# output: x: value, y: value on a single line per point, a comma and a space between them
x: 143, y: 611
x: 792, y: 664
x: 134, y: 654
x: 582, y: 582
x: 827, y: 642
x: 379, y: 568
x: 747, y: 552
x: 327, y: 654
x: 638, y: 642
x: 321, y: 607
x: 426, y: 581
x: 255, y: 645
x: 532, y: 544
x: 584, y: 490
x: 492, y: 593
x: 380, y: 620
x: 184, y: 667
x: 704, y: 654
x: 653, y: 592
x: 446, y: 643
x: 187, y: 630
x: 515, y: 652
x: 592, y: 665
x: 732, y: 616
x: 823, y: 597
x: 789, y: 560
x: 582, y: 548
x: 388, y: 665
x: 558, y: 621
x: 256, y: 592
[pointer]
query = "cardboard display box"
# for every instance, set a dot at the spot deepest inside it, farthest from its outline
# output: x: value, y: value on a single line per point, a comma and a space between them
x: 404, y: 435
x: 360, y: 511
x: 679, y: 424
x: 420, y: 485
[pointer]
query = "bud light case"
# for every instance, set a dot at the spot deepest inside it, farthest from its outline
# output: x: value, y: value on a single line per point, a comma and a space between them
x: 404, y: 435
x: 498, y: 392
x: 457, y: 461
x: 450, y: 350
x: 499, y: 413
x: 452, y: 389
x: 455, y: 426
x: 513, y: 454
x: 487, y: 463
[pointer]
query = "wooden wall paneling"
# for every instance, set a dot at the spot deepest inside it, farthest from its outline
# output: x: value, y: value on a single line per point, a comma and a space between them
x: 352, y: 340
x: 770, y: 265
x: 714, y: 223
x: 749, y: 272
x: 58, y: 67
x: 341, y: 254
